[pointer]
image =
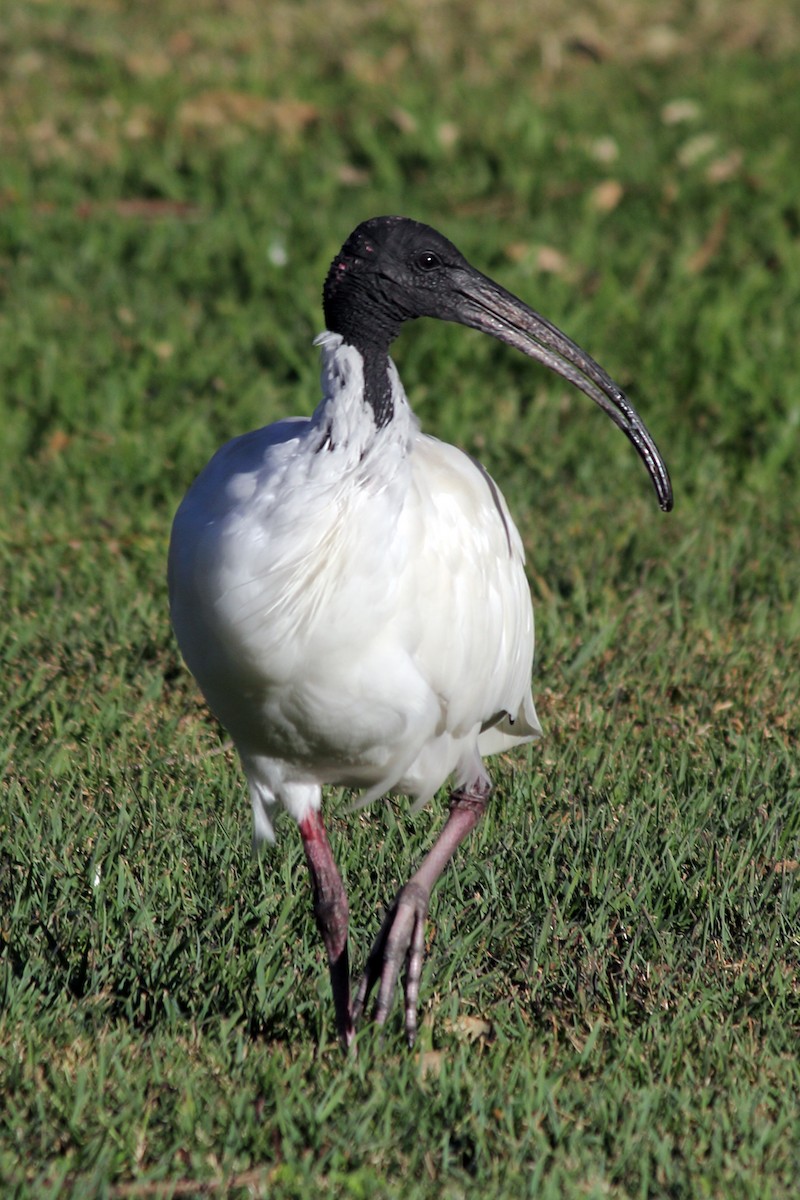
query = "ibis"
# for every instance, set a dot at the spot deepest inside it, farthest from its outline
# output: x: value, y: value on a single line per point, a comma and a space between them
x: 350, y: 593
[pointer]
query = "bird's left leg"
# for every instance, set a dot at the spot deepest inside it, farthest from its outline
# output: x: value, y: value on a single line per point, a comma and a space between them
x: 402, y: 935
x: 331, y: 913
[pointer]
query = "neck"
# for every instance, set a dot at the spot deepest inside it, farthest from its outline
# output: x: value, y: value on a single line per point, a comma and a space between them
x: 377, y: 385
x: 370, y: 325
x: 346, y: 420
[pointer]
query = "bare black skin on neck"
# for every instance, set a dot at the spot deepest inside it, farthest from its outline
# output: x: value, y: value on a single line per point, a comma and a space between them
x: 364, y: 308
x: 372, y: 340
x: 377, y: 385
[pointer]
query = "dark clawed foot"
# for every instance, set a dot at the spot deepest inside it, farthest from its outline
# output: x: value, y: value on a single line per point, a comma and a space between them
x: 401, y: 940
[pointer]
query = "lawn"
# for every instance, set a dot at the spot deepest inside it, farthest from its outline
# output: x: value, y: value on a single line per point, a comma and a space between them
x: 610, y: 1004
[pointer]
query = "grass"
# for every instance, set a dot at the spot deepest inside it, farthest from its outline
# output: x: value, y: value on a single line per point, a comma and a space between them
x: 611, y: 999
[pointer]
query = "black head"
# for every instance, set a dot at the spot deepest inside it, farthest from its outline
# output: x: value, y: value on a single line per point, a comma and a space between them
x: 390, y: 270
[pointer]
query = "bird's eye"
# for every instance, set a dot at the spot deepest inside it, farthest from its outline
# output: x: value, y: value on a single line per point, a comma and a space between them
x: 426, y: 260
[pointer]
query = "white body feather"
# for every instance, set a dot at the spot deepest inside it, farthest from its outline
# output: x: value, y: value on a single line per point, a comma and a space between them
x: 353, y: 603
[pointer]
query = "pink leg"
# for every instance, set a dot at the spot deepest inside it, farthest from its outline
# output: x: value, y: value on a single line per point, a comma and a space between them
x: 331, y: 913
x: 402, y: 935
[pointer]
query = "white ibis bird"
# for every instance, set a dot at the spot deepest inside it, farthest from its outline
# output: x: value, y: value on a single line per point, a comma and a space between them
x: 350, y: 593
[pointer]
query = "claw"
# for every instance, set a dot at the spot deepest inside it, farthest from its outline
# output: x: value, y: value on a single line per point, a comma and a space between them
x: 401, y: 940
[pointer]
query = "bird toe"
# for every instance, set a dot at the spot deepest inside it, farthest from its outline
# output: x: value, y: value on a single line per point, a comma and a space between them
x: 401, y: 940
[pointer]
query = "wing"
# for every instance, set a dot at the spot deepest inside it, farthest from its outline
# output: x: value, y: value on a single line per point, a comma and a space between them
x: 476, y: 618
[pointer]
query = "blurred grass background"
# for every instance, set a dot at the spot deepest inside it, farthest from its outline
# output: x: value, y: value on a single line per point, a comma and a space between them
x: 611, y: 993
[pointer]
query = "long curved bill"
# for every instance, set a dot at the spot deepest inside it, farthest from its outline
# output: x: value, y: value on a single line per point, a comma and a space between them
x: 485, y: 305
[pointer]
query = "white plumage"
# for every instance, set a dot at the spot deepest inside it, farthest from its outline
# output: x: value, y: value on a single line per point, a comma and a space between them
x: 353, y: 603
x: 350, y: 593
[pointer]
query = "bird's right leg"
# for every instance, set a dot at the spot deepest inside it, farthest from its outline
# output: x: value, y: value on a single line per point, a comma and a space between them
x: 331, y: 913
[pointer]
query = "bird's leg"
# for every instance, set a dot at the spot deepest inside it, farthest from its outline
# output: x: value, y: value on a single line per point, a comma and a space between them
x: 331, y: 913
x: 402, y: 935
